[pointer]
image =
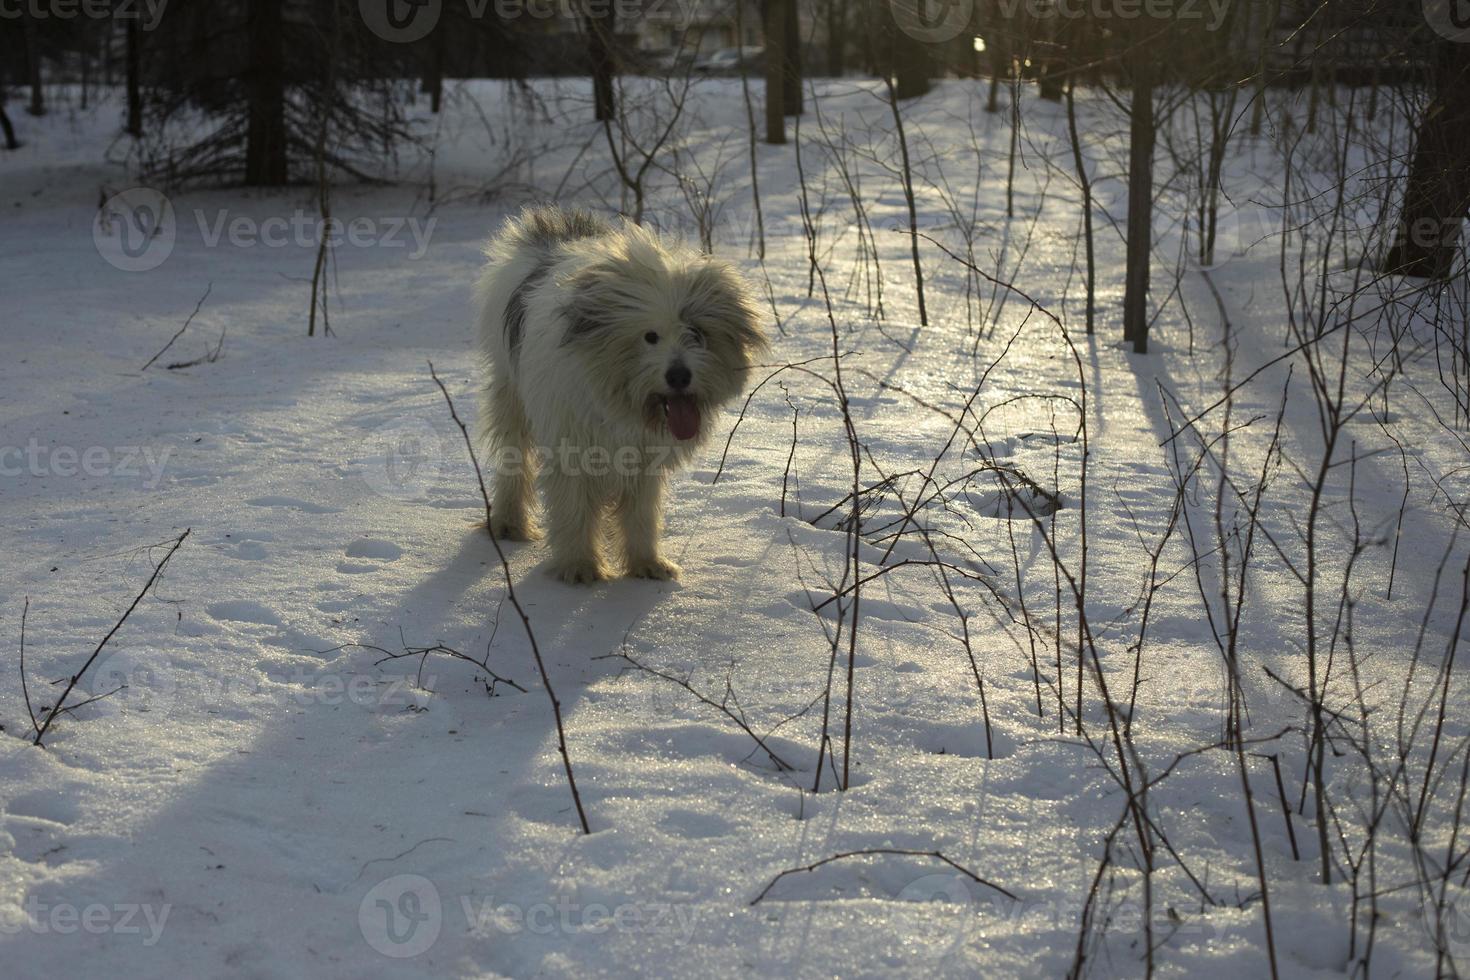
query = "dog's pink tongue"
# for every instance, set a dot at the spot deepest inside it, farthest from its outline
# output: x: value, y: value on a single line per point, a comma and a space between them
x: 683, y: 414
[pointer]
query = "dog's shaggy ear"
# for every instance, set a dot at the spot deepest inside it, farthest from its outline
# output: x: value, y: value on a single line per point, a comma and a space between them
x: 628, y: 276
x: 720, y: 302
x: 599, y: 297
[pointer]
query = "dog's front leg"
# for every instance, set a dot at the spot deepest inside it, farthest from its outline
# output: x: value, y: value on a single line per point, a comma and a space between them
x: 641, y: 512
x: 574, y: 507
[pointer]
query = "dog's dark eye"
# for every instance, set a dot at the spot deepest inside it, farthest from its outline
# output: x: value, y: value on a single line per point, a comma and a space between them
x: 651, y: 337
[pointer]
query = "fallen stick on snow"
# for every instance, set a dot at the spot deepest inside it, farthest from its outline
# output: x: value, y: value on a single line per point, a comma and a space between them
x: 869, y: 851
x: 59, y: 706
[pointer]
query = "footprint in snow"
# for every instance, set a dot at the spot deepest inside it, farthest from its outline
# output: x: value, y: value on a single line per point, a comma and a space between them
x: 367, y: 551
x: 243, y: 611
x: 374, y: 548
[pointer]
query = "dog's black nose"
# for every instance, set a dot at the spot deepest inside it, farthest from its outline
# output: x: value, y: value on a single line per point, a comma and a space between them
x: 678, y: 377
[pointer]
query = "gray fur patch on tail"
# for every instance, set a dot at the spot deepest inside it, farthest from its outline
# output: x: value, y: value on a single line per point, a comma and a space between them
x: 547, y: 226
x: 515, y: 308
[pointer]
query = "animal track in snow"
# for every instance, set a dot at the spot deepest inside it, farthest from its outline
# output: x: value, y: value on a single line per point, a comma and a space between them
x: 374, y: 548
x: 243, y: 611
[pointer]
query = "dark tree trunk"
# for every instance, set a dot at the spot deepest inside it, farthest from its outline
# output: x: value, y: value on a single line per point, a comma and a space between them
x: 1084, y: 183
x: 999, y: 49
x: 86, y: 58
x: 1052, y: 69
x: 910, y: 65
x: 135, y: 97
x: 1438, y: 191
x: 11, y: 143
x: 33, y: 68
x: 600, y: 29
x: 1140, y: 203
x: 775, y: 16
x: 434, y: 75
x: 791, y: 86
x: 836, y: 37
x: 265, y: 141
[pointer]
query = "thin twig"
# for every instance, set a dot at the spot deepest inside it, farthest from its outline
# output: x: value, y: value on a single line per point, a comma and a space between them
x: 869, y: 851
x: 197, y: 307
x: 510, y: 593
x: 57, y: 708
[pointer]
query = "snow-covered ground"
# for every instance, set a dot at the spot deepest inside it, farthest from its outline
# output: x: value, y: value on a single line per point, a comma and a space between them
x: 263, y: 798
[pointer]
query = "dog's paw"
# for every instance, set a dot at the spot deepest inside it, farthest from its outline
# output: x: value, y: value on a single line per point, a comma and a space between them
x: 657, y: 568
x: 578, y: 572
x: 512, y: 530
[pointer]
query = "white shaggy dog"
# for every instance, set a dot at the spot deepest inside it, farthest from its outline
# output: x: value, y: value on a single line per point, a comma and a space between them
x: 609, y: 353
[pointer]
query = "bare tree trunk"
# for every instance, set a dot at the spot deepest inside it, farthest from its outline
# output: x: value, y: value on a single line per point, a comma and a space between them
x: 135, y: 97
x: 33, y: 68
x: 909, y: 64
x: 1053, y: 75
x: 1268, y: 29
x: 11, y: 143
x: 836, y: 37
x: 1438, y: 191
x: 1140, y: 203
x: 755, y: 184
x: 1084, y: 182
x: 1000, y: 67
x: 324, y: 183
x: 434, y: 77
x: 791, y: 95
x: 265, y: 145
x: 600, y: 28
x: 85, y: 53
x: 908, y: 196
x: 775, y: 11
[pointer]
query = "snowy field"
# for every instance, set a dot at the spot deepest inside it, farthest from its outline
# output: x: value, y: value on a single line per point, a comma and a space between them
x: 261, y: 792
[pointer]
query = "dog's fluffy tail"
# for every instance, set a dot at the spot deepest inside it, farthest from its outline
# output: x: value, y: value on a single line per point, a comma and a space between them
x: 545, y: 226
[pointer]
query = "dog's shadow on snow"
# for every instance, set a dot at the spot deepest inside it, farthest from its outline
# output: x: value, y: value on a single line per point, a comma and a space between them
x: 557, y: 611
x: 336, y: 795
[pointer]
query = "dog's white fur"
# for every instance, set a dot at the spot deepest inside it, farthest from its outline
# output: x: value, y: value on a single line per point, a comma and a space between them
x: 585, y: 326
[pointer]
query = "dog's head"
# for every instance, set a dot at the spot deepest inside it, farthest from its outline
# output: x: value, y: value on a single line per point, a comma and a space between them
x: 666, y: 334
